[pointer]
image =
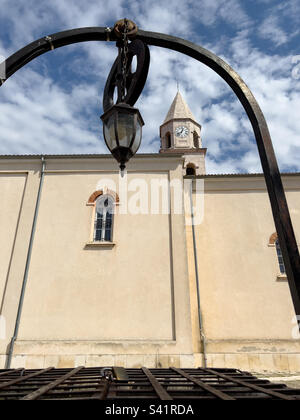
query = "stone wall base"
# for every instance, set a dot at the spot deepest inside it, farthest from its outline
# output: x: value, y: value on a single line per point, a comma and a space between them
x: 257, y: 362
x: 260, y: 362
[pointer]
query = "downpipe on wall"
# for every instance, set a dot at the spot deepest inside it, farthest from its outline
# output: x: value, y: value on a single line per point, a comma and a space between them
x: 25, y: 278
x: 200, y: 318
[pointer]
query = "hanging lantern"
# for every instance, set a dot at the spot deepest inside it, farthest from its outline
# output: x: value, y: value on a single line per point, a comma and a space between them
x: 122, y: 124
x: 122, y: 130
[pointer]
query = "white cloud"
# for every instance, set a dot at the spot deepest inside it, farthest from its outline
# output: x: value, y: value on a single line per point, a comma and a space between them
x: 278, y: 94
x: 228, y: 11
x: 152, y: 16
x: 270, y: 29
x: 41, y: 115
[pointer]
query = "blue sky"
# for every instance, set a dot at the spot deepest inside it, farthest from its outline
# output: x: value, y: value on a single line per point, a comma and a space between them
x: 53, y: 104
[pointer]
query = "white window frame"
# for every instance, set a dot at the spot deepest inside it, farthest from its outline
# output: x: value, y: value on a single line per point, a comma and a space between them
x: 280, y: 258
x: 101, y: 208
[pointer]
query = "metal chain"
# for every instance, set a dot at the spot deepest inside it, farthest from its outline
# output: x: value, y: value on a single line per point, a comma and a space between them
x: 124, y: 59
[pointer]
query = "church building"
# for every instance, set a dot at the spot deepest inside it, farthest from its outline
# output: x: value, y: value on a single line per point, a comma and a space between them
x: 165, y: 266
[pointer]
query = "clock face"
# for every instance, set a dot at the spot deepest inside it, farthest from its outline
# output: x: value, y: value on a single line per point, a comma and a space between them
x: 182, y: 131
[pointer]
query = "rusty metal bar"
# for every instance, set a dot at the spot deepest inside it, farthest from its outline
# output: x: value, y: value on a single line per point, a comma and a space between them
x: 87, y: 384
x: 9, y: 372
x: 219, y: 394
x: 120, y: 373
x: 36, y: 394
x: 248, y: 385
x: 102, y: 394
x: 158, y: 388
x: 24, y: 378
x: 60, y: 39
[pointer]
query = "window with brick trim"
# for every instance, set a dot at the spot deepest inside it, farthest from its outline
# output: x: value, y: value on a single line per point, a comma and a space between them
x: 104, y: 215
x: 273, y: 241
x: 280, y: 258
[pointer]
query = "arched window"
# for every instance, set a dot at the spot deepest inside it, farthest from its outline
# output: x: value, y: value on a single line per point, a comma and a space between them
x: 279, y: 256
x: 168, y: 141
x: 104, y: 214
x: 190, y: 169
x: 273, y: 242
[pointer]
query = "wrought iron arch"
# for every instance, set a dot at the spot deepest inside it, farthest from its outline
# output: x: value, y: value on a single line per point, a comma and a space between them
x: 276, y: 193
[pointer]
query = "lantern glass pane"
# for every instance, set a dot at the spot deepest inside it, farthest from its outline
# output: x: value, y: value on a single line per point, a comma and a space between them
x: 125, y: 128
x: 109, y: 133
x: 138, y: 137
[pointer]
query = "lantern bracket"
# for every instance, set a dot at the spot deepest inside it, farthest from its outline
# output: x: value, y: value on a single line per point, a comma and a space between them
x: 108, y: 32
x: 135, y: 81
x: 49, y: 39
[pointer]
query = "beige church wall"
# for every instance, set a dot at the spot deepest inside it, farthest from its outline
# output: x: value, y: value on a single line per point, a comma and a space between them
x: 19, y: 182
x: 11, y: 193
x: 125, y: 301
x: 107, y: 293
x: 248, y: 316
x: 135, y: 303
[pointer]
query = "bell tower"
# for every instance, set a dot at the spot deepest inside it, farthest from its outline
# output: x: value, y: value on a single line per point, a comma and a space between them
x: 181, y: 134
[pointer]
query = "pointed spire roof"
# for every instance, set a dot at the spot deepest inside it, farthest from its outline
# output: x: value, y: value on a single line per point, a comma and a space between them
x: 179, y: 109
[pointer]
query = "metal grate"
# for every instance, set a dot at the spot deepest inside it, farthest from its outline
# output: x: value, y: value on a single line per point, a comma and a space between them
x: 119, y: 383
